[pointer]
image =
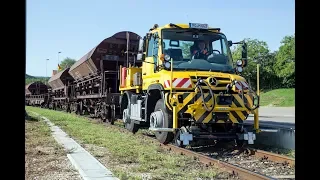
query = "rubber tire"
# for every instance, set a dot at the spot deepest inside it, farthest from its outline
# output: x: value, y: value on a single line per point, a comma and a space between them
x: 164, y: 137
x: 132, y: 127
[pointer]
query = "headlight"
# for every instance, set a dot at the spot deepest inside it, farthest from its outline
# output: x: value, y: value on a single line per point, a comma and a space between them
x: 167, y: 65
x: 239, y: 62
x: 239, y: 69
x: 166, y: 57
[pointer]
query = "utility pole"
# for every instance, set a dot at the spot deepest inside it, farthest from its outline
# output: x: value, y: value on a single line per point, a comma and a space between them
x: 256, y: 111
x: 58, y: 56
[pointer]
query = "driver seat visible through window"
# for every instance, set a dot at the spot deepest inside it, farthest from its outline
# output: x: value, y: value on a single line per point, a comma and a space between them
x: 175, y: 54
x: 193, y: 48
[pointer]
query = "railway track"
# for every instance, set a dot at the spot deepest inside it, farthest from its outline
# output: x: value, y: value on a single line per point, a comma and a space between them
x: 274, y: 166
x: 245, y: 163
x: 272, y: 156
x: 232, y: 169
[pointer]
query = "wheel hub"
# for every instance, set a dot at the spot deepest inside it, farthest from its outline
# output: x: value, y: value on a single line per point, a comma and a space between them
x: 126, y: 117
x: 156, y: 119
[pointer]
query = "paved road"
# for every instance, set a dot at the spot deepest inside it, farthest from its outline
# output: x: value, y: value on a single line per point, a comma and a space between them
x: 282, y: 117
x: 275, y: 118
x: 277, y: 111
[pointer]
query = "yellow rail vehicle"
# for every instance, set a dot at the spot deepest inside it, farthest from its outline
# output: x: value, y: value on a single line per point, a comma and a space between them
x: 188, y: 88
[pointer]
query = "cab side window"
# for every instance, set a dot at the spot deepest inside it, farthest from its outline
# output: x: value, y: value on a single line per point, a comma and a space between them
x: 153, y: 47
x: 155, y: 50
x: 150, y: 47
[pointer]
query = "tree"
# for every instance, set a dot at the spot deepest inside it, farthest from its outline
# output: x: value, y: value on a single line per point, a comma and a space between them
x: 258, y: 52
x: 277, y: 69
x: 285, y: 61
x: 67, y: 62
x: 29, y: 80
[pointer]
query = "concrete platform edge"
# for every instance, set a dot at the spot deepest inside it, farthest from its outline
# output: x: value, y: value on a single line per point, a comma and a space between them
x: 84, y: 176
x: 77, y: 167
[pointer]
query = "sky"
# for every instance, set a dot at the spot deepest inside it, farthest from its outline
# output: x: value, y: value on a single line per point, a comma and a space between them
x: 74, y: 27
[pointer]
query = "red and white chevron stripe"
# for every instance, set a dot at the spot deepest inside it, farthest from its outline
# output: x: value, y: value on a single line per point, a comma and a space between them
x: 244, y: 85
x: 178, y: 83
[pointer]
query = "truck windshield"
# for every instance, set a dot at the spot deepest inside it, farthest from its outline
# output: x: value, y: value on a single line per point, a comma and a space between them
x: 203, y: 51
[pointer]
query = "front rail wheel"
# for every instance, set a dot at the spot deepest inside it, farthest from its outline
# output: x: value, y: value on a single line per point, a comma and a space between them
x: 177, y: 141
x: 166, y: 122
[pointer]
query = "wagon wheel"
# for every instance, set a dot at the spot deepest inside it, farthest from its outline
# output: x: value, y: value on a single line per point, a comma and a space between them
x: 68, y: 108
x: 79, y: 108
x: 74, y: 108
x: 112, y: 115
x: 101, y: 112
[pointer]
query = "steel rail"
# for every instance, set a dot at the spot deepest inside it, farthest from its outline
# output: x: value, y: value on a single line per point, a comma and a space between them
x: 272, y: 156
x: 238, y: 171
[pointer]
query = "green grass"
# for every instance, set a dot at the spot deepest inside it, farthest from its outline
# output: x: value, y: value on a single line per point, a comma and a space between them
x: 37, y: 130
x: 144, y: 154
x: 278, y: 98
x: 43, y: 155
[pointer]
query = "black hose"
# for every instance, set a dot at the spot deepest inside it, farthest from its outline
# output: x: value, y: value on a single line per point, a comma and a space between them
x: 246, y: 104
x: 202, y: 94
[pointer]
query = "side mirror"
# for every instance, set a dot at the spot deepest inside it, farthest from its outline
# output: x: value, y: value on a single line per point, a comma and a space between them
x: 141, y: 57
x: 230, y: 43
x: 244, y: 54
x: 141, y: 45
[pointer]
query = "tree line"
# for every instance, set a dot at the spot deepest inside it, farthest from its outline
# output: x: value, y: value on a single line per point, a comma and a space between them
x: 65, y: 63
x: 277, y: 68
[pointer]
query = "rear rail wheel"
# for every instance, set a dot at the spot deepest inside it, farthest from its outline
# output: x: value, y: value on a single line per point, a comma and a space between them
x: 130, y: 125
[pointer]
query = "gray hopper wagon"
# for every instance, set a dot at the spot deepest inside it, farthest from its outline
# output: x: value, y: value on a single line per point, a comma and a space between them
x: 36, y: 93
x: 95, y: 89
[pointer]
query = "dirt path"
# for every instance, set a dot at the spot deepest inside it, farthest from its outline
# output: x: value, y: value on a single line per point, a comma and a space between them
x: 44, y: 157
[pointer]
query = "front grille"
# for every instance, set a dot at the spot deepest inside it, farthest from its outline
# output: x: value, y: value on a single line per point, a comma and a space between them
x: 220, y: 83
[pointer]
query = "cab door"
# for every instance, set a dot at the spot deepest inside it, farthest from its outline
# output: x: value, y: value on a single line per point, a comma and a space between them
x: 151, y: 59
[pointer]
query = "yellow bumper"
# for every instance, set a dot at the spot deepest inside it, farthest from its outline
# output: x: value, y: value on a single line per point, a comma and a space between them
x: 192, y: 103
